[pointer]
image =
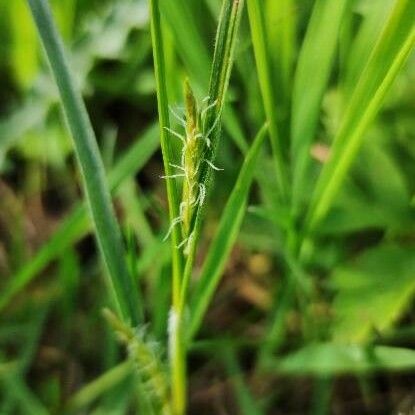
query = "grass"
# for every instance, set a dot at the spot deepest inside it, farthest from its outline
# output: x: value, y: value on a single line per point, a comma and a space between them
x: 280, y: 173
x: 108, y: 235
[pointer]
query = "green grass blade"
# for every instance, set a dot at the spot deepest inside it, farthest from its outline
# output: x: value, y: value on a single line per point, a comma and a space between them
x: 386, y: 60
x: 23, y: 395
x: 121, y: 286
x: 176, y: 351
x: 365, y: 41
x: 196, y: 58
x: 281, y: 23
x: 225, y: 237
x: 246, y: 402
x: 189, y: 41
x: 258, y: 30
x: 93, y: 390
x: 77, y: 223
x: 313, y: 70
x: 163, y: 111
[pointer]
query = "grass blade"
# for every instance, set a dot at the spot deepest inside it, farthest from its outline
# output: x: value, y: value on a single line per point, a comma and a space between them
x: 176, y: 351
x: 99, y: 386
x: 386, y: 60
x: 163, y: 111
x: 281, y: 23
x: 245, y: 399
x: 189, y: 41
x: 313, y: 70
x: 365, y: 41
x: 76, y: 225
x: 122, y: 288
x: 225, y: 237
x: 258, y: 30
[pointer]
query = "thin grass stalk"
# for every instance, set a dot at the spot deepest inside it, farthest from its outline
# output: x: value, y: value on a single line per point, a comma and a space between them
x: 164, y: 121
x: 259, y: 39
x: 226, y: 37
x: 221, y: 69
x: 123, y: 289
x: 176, y: 352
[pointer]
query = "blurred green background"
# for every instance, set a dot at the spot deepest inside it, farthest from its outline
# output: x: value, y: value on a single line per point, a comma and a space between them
x: 53, y: 340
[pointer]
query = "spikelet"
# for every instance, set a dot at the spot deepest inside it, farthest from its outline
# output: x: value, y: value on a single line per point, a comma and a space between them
x: 195, y: 145
x: 191, y: 157
x: 146, y: 357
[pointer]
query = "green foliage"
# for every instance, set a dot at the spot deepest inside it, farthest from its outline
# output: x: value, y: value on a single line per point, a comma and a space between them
x: 372, y: 292
x: 335, y: 359
x: 387, y: 58
x: 109, y: 240
x: 314, y: 280
x: 226, y: 235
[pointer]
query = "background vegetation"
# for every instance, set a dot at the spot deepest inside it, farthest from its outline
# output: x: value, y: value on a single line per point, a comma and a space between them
x: 300, y: 295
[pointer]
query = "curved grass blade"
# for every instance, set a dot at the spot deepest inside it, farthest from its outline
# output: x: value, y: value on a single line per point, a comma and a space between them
x: 225, y: 237
x: 123, y: 290
x: 387, y: 58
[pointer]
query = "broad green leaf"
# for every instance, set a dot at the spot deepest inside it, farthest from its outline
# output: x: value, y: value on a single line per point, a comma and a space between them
x: 322, y: 359
x: 311, y: 78
x: 386, y: 59
x: 225, y: 236
x: 372, y: 292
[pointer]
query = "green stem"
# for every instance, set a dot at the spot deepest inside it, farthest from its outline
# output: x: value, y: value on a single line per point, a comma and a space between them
x: 164, y: 120
x: 176, y: 352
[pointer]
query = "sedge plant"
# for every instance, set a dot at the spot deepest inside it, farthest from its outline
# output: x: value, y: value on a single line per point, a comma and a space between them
x: 297, y: 194
x: 200, y: 143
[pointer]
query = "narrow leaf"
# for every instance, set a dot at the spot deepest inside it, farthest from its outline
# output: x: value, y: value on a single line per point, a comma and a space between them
x: 313, y: 70
x: 387, y: 58
x: 225, y: 237
x: 76, y: 225
x: 259, y: 39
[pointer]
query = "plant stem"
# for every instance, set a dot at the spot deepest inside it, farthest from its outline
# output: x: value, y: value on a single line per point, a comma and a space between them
x: 176, y: 352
